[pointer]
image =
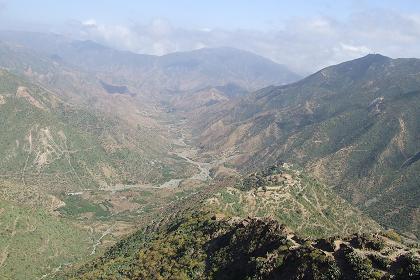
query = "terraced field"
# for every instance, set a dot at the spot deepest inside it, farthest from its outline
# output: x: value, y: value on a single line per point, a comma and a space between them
x: 297, y: 200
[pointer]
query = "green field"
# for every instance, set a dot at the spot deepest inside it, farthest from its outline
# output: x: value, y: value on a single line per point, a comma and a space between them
x: 34, y: 242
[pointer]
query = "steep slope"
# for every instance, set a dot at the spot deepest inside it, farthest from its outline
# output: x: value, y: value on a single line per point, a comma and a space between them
x: 50, y: 143
x: 77, y: 86
x: 201, y: 246
x: 52, y: 151
x: 354, y: 125
x: 196, y: 102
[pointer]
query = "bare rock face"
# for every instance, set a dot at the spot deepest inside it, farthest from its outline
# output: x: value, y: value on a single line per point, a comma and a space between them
x: 24, y: 93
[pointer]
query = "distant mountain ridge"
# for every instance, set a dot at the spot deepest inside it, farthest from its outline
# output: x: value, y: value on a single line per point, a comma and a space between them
x: 179, y: 71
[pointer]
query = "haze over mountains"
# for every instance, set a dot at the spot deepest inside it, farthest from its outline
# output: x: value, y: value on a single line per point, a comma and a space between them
x: 173, y: 72
x: 142, y: 151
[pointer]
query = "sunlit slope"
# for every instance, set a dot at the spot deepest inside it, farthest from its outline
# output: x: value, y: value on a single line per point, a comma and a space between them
x: 50, y: 143
x: 290, y: 196
x: 33, y: 242
x: 176, y: 242
x: 354, y: 125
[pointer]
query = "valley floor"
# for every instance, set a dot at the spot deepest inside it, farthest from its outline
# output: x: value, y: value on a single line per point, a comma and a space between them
x: 97, y: 218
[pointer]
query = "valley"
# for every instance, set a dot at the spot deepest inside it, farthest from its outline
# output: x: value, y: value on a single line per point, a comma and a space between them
x: 105, y: 154
x: 102, y: 214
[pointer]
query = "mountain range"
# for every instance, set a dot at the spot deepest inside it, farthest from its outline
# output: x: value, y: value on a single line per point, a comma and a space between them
x: 204, y: 164
x: 353, y: 125
x: 174, y: 72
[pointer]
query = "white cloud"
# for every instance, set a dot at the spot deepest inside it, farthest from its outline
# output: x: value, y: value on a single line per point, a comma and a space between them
x: 90, y: 23
x: 199, y: 45
x: 304, y: 44
x: 361, y: 50
x: 160, y: 28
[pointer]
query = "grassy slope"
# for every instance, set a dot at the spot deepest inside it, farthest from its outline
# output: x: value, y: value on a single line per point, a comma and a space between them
x: 305, y: 205
x: 34, y: 243
x: 177, y: 245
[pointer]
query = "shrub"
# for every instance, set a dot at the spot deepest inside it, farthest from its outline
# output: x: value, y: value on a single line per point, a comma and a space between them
x: 379, y: 261
x: 407, y: 267
x: 361, y: 267
x: 393, y: 235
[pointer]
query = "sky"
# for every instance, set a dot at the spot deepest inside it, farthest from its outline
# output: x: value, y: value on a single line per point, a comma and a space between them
x: 304, y: 35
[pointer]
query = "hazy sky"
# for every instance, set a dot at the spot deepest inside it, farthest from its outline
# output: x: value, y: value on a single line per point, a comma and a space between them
x: 305, y: 35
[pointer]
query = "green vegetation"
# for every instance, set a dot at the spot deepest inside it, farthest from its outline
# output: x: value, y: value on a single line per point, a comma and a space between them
x: 33, y: 242
x: 408, y: 267
x: 50, y: 143
x: 295, y: 199
x: 50, y: 146
x: 391, y: 234
x: 214, y: 243
x: 361, y: 267
x: 81, y: 172
x: 199, y: 245
x: 76, y: 206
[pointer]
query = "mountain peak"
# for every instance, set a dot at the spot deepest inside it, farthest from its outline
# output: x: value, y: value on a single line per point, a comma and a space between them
x: 354, y: 69
x: 375, y: 57
x: 365, y: 61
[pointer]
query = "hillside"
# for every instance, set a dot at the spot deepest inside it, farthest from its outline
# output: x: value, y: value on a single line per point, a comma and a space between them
x: 290, y: 196
x: 52, y: 151
x: 353, y: 125
x: 202, y: 246
x: 103, y: 143
x: 80, y: 87
x: 283, y: 194
x: 91, y: 147
x: 33, y: 242
x: 46, y: 141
